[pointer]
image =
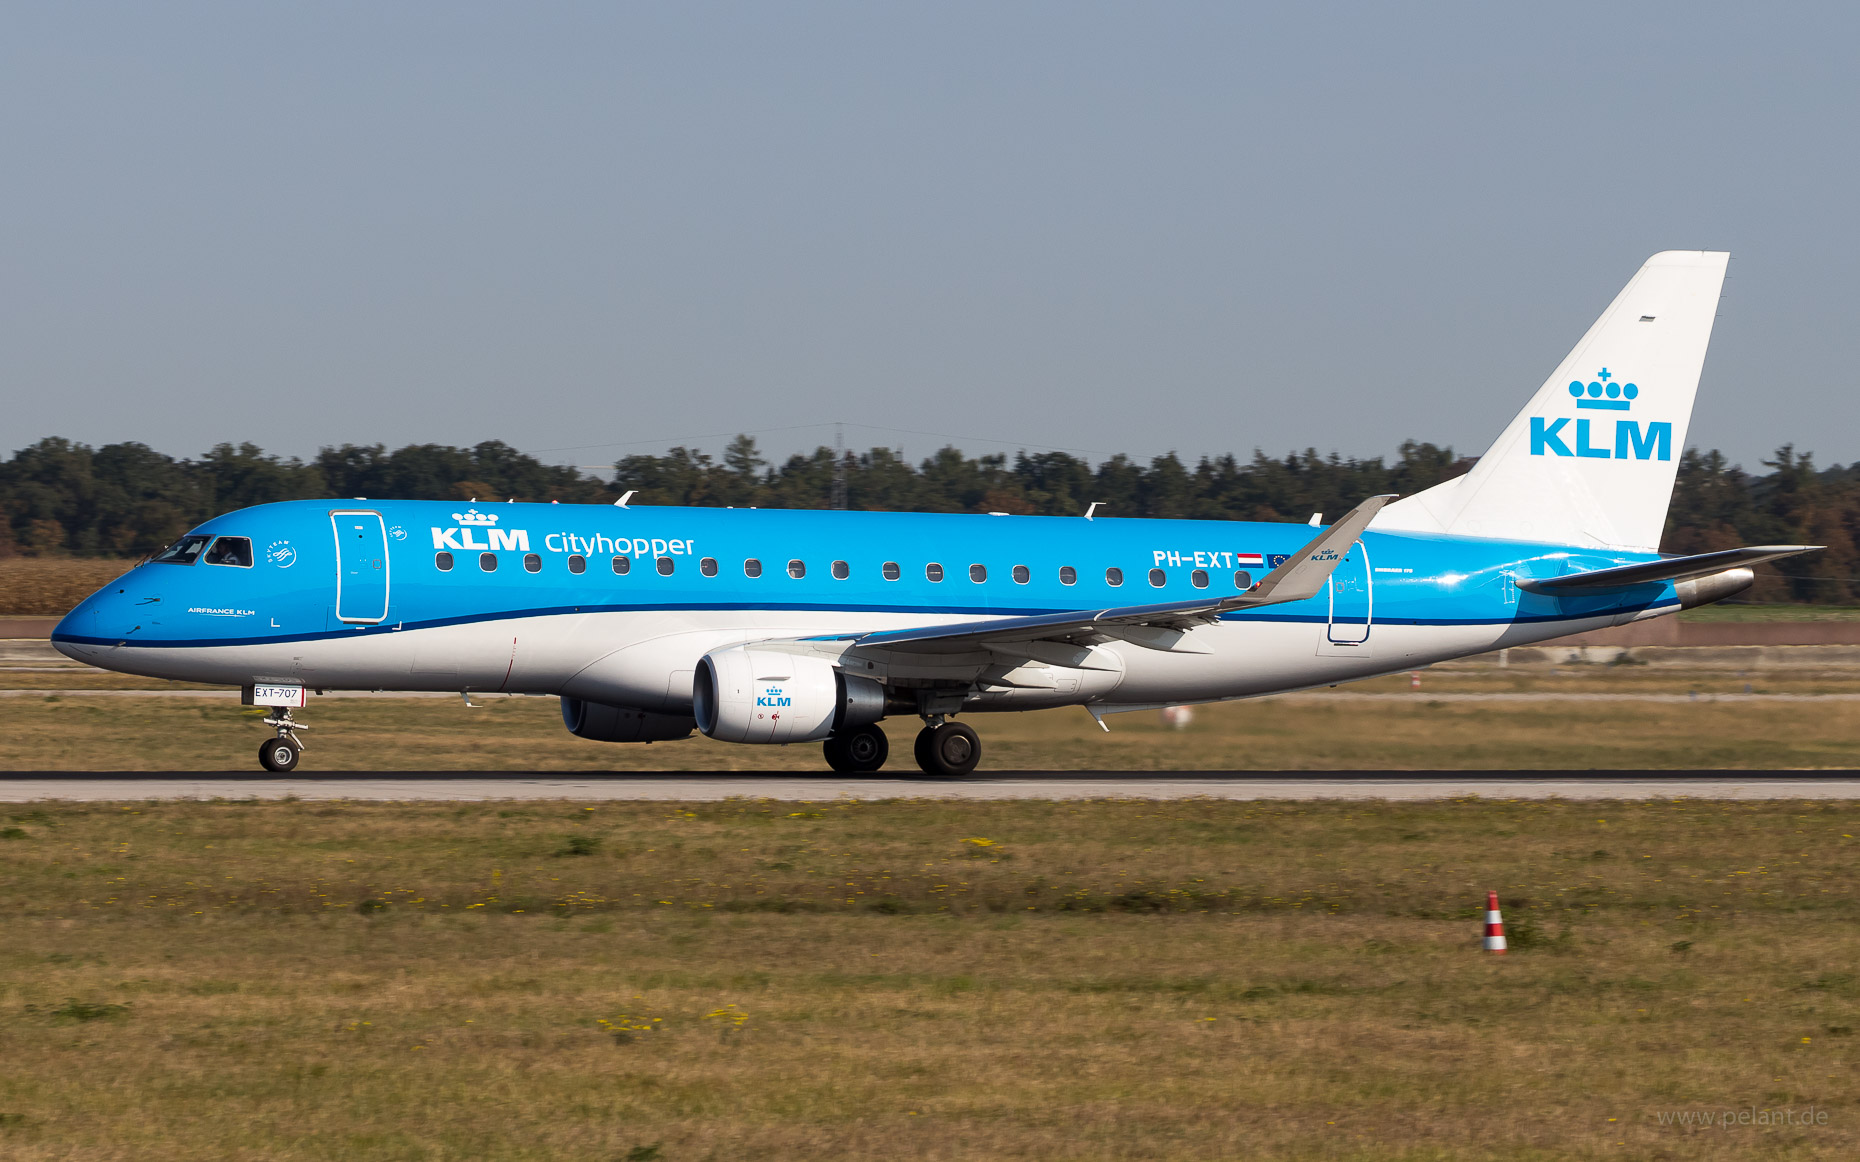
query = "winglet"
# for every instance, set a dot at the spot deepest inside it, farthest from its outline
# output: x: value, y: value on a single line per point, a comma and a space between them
x: 1304, y: 573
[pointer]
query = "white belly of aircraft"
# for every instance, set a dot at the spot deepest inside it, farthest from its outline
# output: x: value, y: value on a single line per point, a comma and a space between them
x: 646, y: 659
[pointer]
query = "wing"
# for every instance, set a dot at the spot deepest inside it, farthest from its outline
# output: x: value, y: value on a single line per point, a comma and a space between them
x: 1667, y: 569
x: 1160, y: 626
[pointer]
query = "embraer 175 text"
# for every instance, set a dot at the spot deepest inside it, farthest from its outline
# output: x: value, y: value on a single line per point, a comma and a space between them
x: 769, y: 626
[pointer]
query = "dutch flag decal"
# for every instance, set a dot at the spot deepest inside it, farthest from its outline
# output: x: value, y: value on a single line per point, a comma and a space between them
x: 1249, y: 560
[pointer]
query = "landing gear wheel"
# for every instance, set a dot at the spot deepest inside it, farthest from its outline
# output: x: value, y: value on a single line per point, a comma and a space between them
x: 279, y: 755
x: 861, y: 750
x: 949, y: 750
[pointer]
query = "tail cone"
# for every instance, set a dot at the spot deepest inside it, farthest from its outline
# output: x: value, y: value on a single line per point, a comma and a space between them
x: 1494, y: 925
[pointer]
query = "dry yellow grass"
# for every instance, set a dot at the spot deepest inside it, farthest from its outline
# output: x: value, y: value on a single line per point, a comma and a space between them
x: 78, y: 732
x: 50, y: 586
x: 1094, y: 981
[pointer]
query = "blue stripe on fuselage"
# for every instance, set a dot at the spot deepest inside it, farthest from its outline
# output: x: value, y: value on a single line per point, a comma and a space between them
x: 289, y: 593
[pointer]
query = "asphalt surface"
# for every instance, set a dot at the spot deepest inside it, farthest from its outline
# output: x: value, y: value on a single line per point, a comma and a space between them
x: 698, y: 786
x: 1297, y: 696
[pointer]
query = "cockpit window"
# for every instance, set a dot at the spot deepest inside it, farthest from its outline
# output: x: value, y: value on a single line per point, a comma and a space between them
x: 231, y: 551
x: 183, y: 551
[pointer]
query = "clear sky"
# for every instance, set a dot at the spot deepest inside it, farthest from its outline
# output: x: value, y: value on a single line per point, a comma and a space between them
x: 595, y: 229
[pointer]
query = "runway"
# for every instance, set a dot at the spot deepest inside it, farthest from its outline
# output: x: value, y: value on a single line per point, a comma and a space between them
x: 687, y: 786
x: 1415, y: 697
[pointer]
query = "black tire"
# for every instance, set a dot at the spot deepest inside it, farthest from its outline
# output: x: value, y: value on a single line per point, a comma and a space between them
x: 920, y: 749
x: 949, y: 751
x: 867, y: 748
x: 859, y: 751
x: 279, y: 755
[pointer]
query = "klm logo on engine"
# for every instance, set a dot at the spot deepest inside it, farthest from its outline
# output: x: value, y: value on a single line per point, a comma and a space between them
x: 772, y: 696
x: 470, y: 522
x: 1630, y: 439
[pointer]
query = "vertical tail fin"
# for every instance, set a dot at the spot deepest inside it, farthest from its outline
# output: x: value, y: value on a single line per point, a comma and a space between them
x: 1591, y: 459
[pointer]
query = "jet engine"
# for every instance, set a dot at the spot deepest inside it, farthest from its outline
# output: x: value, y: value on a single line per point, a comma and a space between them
x: 745, y: 694
x: 604, y: 723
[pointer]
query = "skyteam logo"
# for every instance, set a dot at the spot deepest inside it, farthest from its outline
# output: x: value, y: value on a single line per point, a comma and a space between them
x: 470, y: 521
x: 1604, y: 393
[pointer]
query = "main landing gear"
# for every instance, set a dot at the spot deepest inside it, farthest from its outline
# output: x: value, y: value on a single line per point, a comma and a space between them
x: 944, y: 749
x: 280, y: 754
x: 861, y: 750
x: 948, y: 749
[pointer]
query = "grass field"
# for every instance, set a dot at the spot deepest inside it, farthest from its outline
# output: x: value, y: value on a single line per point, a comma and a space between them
x: 51, y: 586
x: 926, y: 980
x: 76, y: 732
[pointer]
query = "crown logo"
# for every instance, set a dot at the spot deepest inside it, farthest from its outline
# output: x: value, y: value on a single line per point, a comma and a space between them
x: 472, y: 516
x: 1603, y: 394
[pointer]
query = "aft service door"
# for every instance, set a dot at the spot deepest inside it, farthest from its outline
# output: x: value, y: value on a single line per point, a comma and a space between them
x: 1350, y: 598
x: 361, y: 566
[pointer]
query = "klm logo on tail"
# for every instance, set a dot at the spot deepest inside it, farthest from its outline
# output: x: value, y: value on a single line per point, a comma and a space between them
x: 1631, y: 440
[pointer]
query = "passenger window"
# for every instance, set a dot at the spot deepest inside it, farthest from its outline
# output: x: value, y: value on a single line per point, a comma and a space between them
x: 183, y: 551
x: 933, y: 572
x: 443, y: 561
x: 622, y: 565
x: 797, y: 570
x: 1158, y: 578
x: 841, y: 570
x: 1022, y: 575
x: 666, y: 565
x: 978, y: 573
x: 891, y: 571
x: 1068, y: 575
x: 577, y: 564
x: 1243, y: 580
x: 487, y: 562
x: 1200, y: 578
x: 532, y: 563
x: 708, y: 566
x: 1114, y: 577
x: 752, y: 568
x: 236, y: 551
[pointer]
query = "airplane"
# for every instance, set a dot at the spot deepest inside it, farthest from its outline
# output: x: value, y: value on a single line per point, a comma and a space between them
x: 763, y: 626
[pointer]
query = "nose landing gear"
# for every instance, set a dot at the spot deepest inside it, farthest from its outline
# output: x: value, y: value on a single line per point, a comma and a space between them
x: 948, y: 749
x: 280, y: 754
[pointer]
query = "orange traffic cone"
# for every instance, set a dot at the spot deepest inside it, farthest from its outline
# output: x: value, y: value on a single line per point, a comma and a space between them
x: 1494, y: 925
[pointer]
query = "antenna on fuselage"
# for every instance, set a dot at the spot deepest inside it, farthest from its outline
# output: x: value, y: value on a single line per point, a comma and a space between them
x: 629, y: 494
x: 1091, y: 508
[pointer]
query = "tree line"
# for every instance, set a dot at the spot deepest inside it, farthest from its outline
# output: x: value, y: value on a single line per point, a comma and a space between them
x: 59, y: 498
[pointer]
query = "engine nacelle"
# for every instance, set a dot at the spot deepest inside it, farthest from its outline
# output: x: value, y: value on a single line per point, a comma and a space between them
x: 745, y: 694
x: 604, y: 723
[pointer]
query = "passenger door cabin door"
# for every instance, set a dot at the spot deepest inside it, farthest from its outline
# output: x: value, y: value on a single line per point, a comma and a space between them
x: 1351, y: 601
x: 361, y: 566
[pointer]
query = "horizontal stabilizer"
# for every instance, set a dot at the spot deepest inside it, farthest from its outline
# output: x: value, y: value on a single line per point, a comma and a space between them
x: 1669, y: 569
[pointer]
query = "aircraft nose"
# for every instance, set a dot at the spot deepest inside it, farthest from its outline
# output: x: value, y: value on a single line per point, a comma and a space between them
x: 69, y: 634
x: 94, y: 624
